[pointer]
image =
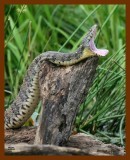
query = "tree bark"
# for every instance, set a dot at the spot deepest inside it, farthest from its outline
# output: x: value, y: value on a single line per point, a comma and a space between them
x: 26, y: 149
x: 23, y: 134
x: 63, y: 90
x: 20, y: 142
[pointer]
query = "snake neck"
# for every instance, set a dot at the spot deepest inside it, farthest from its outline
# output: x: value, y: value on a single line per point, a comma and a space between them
x: 84, y: 53
x: 67, y: 59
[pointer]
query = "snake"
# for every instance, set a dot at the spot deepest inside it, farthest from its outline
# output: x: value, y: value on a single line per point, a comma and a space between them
x: 28, y: 97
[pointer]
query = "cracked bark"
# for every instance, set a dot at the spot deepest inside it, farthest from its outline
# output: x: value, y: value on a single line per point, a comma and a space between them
x: 63, y: 90
x: 20, y: 142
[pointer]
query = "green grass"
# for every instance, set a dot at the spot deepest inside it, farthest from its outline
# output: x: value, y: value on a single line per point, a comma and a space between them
x: 31, y: 30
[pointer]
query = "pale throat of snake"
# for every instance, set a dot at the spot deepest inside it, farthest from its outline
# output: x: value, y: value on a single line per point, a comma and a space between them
x: 89, y: 45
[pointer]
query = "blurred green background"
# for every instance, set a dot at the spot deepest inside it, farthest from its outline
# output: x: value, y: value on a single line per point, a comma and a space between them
x: 33, y: 29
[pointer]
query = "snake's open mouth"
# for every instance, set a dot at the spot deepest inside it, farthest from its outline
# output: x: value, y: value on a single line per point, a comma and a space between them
x: 100, y: 52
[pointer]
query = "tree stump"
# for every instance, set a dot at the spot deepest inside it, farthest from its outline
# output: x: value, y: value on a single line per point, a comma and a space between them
x: 62, y: 91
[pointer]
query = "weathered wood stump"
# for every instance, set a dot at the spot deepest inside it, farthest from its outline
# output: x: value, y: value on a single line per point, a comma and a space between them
x: 63, y: 90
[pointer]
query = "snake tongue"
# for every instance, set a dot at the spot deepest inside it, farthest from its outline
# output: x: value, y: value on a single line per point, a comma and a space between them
x: 100, y: 52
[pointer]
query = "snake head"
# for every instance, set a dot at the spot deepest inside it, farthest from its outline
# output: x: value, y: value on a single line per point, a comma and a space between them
x: 88, y: 42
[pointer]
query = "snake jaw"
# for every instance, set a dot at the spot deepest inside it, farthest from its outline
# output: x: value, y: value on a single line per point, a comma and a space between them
x: 88, y: 42
x: 95, y: 50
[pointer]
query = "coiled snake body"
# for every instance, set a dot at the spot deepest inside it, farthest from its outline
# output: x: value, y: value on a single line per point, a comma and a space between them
x: 27, y: 99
